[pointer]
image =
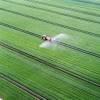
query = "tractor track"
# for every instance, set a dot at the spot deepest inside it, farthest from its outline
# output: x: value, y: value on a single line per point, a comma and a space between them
x: 22, y: 86
x: 65, y: 8
x: 88, y: 2
x: 55, y: 12
x: 79, y: 49
x: 60, y: 43
x: 56, y: 67
x: 52, y: 23
x: 20, y: 30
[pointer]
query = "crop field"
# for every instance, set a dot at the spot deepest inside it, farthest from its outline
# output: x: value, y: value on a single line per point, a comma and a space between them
x: 68, y: 71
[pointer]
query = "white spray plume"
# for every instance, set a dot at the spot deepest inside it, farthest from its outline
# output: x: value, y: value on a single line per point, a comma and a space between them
x: 53, y: 43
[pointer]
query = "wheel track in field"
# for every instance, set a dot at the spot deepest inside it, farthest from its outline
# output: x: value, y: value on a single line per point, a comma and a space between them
x: 79, y: 49
x: 22, y: 86
x: 60, y: 43
x: 55, y: 12
x: 56, y: 67
x: 52, y: 23
x: 66, y: 8
x: 88, y: 2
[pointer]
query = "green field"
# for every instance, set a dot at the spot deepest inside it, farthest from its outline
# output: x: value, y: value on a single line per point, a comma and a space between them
x: 71, y: 71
